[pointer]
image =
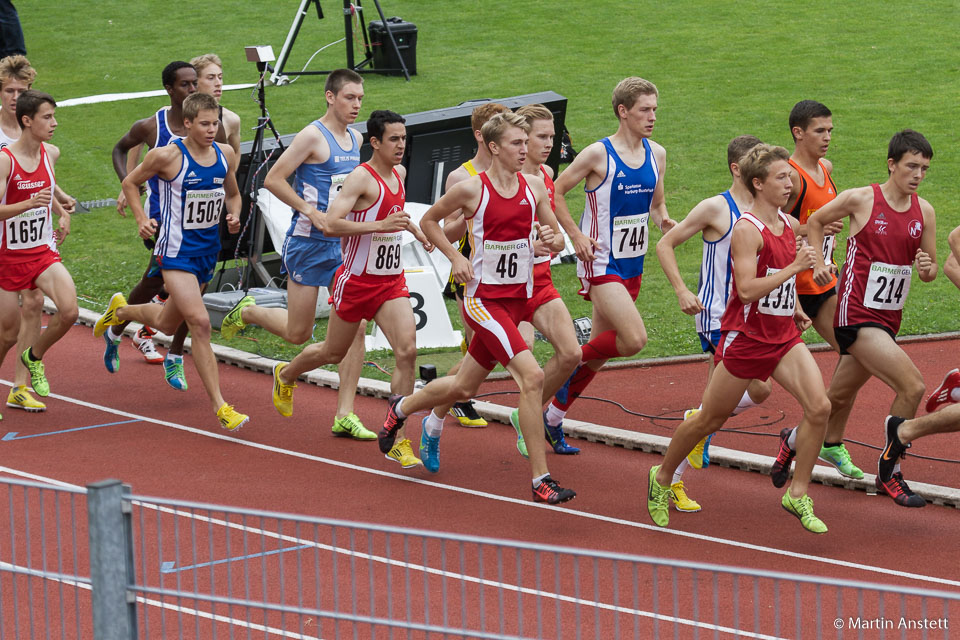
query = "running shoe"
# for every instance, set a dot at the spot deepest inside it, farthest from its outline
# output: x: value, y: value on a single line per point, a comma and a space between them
x: 466, y: 414
x: 429, y: 449
x: 839, y: 457
x: 143, y: 341
x: 780, y: 470
x: 20, y: 398
x: 233, y: 321
x: 893, y: 451
x: 515, y: 423
x: 550, y: 492
x: 37, y: 378
x: 681, y: 500
x: 282, y: 392
x: 403, y: 453
x: 111, y: 354
x: 658, y: 499
x: 554, y: 436
x: 698, y: 458
x: 229, y: 419
x: 391, y: 424
x: 173, y: 372
x: 350, y: 426
x: 941, y: 395
x: 802, y: 508
x: 109, y: 317
x: 898, y: 489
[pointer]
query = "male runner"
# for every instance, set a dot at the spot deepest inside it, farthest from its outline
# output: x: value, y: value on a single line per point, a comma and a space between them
x: 811, y: 125
x: 180, y: 80
x: 501, y: 206
x: 28, y: 242
x: 16, y: 76
x: 714, y: 218
x: 624, y: 186
x: 196, y: 181
x: 370, y: 285
x: 545, y: 309
x: 760, y: 336
x: 455, y: 228
x: 891, y: 231
x: 320, y: 158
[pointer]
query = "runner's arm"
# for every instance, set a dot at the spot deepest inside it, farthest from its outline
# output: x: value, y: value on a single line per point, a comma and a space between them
x: 926, y: 258
x: 848, y: 203
x: 699, y: 219
x: 587, y: 162
x: 745, y: 245
x: 39, y: 199
x: 151, y: 166
x: 234, y: 201
x: 460, y: 196
x: 309, y: 144
x: 658, y: 204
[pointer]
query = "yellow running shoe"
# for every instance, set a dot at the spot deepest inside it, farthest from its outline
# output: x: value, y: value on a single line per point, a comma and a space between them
x: 350, y: 426
x: 402, y: 452
x: 233, y: 322
x: 20, y: 398
x: 282, y: 393
x: 695, y: 457
x: 109, y: 317
x: 802, y: 508
x: 681, y: 500
x: 229, y: 419
x: 466, y: 414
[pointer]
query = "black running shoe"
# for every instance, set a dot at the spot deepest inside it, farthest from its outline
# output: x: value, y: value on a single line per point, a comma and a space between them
x: 780, y: 470
x: 466, y: 414
x: 550, y: 492
x: 391, y: 425
x: 896, y: 487
x: 893, y: 451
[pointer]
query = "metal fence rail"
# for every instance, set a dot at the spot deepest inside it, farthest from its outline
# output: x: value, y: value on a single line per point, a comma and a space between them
x: 44, y: 583
x: 175, y: 569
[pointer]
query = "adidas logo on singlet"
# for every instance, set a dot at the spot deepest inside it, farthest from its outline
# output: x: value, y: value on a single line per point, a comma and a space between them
x: 17, y: 177
x: 524, y: 201
x: 621, y: 174
x: 191, y: 175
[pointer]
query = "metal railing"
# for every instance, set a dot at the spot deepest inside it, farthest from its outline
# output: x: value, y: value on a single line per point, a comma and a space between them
x: 175, y: 569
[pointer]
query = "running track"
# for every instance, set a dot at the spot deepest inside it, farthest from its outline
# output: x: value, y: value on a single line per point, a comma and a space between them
x: 165, y: 443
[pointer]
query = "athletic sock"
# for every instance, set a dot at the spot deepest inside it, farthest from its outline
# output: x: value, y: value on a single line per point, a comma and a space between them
x: 31, y: 357
x: 678, y: 474
x: 397, y: 410
x: 792, y: 438
x: 955, y: 394
x: 579, y: 381
x: 554, y: 415
x: 603, y: 347
x: 172, y: 357
x: 832, y: 444
x: 433, y: 425
x: 746, y: 402
x: 540, y: 479
x: 111, y: 335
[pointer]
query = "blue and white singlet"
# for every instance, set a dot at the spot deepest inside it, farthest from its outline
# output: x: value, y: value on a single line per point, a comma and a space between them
x: 164, y: 137
x: 716, y: 274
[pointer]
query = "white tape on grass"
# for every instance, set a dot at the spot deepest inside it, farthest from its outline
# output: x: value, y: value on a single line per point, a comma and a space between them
x: 115, y: 97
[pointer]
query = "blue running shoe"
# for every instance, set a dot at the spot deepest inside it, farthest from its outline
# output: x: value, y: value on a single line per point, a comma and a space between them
x: 111, y: 358
x: 173, y: 372
x: 706, y: 451
x: 563, y: 392
x: 555, y: 437
x: 429, y: 449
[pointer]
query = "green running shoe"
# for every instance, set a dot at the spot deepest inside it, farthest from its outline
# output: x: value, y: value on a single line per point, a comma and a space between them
x: 802, y: 507
x: 658, y: 499
x: 839, y: 457
x: 521, y: 443
x: 37, y: 378
x: 233, y: 321
x: 350, y: 426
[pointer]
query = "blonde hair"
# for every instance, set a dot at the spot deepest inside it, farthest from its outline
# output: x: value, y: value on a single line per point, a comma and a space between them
x: 494, y: 128
x: 534, y: 112
x: 18, y: 67
x: 201, y: 62
x: 629, y: 89
x: 756, y: 163
x: 194, y: 103
x: 480, y: 115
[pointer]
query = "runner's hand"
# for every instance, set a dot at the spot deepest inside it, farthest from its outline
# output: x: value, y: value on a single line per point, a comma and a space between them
x: 689, y: 303
x: 40, y: 198
x: 461, y: 269
x: 666, y: 224
x: 233, y: 223
x: 148, y: 229
x: 122, y: 204
x: 806, y: 258
x: 584, y: 246
x: 801, y: 319
x: 63, y: 228
x: 833, y: 228
x: 546, y: 234
x: 69, y: 204
x: 924, y: 263
x: 399, y: 221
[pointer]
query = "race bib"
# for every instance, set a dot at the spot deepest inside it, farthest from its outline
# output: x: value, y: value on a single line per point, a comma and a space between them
x: 28, y: 230
x: 336, y: 184
x: 630, y: 236
x: 782, y: 300
x: 506, y: 261
x: 887, y: 286
x: 828, y: 244
x: 384, y: 256
x: 201, y: 210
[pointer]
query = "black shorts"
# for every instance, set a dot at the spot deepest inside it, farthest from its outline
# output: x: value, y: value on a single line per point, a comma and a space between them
x: 846, y: 336
x: 811, y: 302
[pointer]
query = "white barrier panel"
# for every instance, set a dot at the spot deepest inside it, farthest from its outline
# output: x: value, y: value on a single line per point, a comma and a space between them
x: 429, y: 312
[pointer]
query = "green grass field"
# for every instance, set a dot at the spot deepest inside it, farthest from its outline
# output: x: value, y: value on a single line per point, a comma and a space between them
x: 723, y: 69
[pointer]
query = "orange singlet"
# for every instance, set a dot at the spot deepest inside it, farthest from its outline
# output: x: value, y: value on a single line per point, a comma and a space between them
x: 812, y: 197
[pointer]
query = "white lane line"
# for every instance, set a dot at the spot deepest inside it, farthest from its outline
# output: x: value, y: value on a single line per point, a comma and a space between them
x: 884, y: 571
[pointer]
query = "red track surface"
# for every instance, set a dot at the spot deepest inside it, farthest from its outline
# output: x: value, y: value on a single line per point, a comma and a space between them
x: 483, y: 485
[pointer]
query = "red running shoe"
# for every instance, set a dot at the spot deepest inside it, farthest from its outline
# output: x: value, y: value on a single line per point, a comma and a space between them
x: 896, y: 487
x: 391, y: 425
x: 550, y: 492
x: 780, y: 470
x: 941, y: 395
